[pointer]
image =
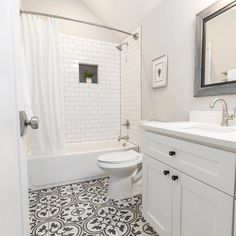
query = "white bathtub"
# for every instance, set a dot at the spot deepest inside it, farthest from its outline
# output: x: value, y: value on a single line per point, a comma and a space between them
x: 78, y: 162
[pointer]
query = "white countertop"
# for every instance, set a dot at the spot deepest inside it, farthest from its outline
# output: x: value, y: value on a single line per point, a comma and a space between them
x: 202, y: 133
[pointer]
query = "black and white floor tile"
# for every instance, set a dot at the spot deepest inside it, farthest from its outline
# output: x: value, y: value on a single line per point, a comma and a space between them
x: 82, y: 209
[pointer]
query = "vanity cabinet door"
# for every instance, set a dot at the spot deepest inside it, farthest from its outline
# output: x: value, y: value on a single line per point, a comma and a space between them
x: 200, y: 210
x: 157, y: 195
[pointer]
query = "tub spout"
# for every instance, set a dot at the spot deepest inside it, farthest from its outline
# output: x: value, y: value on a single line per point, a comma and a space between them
x: 126, y: 138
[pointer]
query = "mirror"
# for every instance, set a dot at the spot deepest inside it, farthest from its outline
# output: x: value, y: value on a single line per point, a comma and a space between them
x: 215, y: 69
x: 220, y: 48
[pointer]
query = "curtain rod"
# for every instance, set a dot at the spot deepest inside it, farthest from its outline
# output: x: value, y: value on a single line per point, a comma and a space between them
x: 135, y: 36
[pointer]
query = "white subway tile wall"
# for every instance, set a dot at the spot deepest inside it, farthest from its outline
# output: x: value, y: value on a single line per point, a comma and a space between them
x: 131, y: 87
x: 92, y: 111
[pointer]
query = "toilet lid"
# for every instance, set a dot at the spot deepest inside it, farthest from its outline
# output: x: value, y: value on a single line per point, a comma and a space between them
x: 119, y: 157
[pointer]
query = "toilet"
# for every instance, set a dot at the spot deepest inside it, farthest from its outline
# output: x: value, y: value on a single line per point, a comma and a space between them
x: 122, y: 168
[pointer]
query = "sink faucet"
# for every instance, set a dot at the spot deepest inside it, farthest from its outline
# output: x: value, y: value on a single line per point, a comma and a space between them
x: 225, y: 114
x: 126, y: 138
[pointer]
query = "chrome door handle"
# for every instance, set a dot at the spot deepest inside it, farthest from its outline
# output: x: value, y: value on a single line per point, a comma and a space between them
x: 24, y: 123
x: 33, y: 123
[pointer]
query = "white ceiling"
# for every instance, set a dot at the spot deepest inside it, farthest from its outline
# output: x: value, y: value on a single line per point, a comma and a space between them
x: 123, y: 14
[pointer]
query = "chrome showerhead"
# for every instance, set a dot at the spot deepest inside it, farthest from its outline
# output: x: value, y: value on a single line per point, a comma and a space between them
x: 119, y: 47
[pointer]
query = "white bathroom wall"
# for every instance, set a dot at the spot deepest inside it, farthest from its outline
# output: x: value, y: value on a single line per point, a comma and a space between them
x: 170, y: 28
x: 131, y: 87
x: 92, y: 111
x: 123, y: 14
x: 73, y: 9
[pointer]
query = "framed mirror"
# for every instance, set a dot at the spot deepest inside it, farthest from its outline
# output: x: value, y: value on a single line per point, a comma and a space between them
x: 215, y: 50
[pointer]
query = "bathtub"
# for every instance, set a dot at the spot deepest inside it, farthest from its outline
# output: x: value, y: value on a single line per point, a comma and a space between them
x: 78, y: 162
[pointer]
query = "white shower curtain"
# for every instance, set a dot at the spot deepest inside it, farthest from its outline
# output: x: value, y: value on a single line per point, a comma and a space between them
x: 41, y: 49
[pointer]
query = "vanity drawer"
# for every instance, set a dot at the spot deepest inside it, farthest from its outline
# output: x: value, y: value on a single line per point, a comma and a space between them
x: 212, y: 166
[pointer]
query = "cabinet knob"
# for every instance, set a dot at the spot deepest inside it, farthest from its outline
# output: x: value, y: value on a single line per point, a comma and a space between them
x: 175, y: 177
x: 172, y: 153
x: 166, y: 172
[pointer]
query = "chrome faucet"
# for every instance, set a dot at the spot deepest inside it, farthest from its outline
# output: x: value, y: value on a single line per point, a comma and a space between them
x: 126, y: 124
x: 126, y: 138
x: 225, y: 114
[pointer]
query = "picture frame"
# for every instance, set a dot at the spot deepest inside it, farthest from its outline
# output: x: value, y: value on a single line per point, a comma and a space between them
x: 160, y: 72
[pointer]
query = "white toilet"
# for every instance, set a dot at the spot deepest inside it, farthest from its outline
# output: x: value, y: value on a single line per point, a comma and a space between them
x: 122, y: 167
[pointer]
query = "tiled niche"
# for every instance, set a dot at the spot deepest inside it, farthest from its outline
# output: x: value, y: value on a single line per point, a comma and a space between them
x: 88, y: 73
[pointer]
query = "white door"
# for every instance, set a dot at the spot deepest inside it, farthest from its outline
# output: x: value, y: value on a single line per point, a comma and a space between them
x: 200, y: 210
x: 13, y: 184
x: 234, y: 219
x: 157, y: 195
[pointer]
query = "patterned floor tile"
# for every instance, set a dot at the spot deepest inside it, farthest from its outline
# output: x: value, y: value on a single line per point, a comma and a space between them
x: 82, y: 209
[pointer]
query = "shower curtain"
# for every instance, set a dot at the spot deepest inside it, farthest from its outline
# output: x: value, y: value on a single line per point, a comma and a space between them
x: 41, y: 51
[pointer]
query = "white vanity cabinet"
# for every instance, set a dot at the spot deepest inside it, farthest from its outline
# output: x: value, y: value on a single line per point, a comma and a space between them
x: 199, y: 209
x: 157, y: 195
x: 185, y: 192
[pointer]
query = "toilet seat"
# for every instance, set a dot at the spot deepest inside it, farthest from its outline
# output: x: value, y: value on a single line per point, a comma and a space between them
x: 119, y: 157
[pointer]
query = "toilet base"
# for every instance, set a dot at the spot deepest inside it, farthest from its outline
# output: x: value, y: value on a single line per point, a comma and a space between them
x: 120, y: 187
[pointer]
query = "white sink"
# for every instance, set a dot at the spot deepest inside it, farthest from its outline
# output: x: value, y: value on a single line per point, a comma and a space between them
x: 209, y: 128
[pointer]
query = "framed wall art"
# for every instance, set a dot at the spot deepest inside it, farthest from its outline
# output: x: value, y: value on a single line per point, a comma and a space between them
x: 160, y: 69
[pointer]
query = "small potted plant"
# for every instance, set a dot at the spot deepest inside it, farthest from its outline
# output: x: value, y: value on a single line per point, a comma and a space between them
x: 88, y: 75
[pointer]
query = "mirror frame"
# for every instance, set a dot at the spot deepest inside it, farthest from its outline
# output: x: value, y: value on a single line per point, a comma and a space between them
x: 225, y: 88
